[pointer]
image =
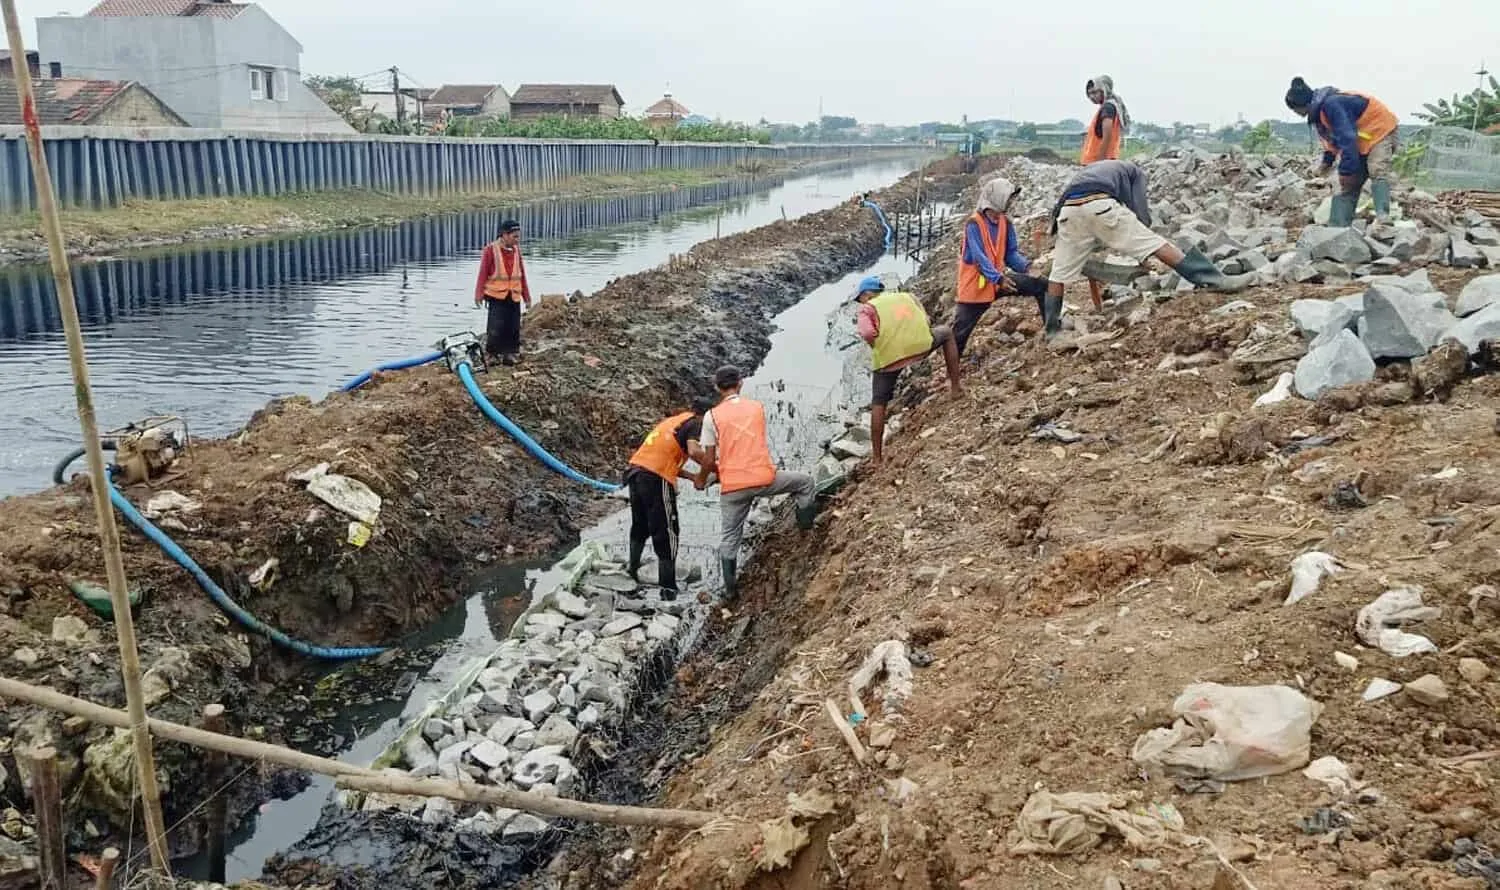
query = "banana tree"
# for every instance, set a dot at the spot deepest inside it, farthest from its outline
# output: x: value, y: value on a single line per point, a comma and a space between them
x: 1479, y: 109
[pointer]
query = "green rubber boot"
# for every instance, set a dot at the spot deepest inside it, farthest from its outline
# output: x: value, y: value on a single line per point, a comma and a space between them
x: 806, y: 515
x: 1201, y: 271
x: 1052, y: 311
x: 726, y: 568
x: 1380, y: 193
x: 1341, y: 211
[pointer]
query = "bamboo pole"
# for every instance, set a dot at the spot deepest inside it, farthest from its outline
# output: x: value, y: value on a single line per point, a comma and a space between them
x: 357, y: 776
x: 218, y: 805
x: 109, y: 534
x: 107, y: 861
x: 46, y: 802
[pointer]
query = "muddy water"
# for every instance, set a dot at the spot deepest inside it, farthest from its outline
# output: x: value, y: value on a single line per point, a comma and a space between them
x: 212, y: 334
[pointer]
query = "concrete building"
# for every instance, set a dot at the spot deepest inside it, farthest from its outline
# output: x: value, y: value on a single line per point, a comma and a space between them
x: 534, y: 100
x: 96, y: 103
x: 471, y: 100
x: 216, y: 64
x: 383, y: 102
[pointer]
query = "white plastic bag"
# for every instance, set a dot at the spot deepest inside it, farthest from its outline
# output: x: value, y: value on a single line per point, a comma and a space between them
x: 1231, y: 733
x: 1308, y: 571
x: 1379, y: 622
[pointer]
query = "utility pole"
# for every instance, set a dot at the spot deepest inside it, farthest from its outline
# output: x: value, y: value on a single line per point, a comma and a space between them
x: 400, y: 99
x: 1482, y: 73
x: 104, y: 514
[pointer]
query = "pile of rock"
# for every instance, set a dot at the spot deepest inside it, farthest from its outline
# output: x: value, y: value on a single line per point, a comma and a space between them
x: 573, y: 665
x: 1396, y: 318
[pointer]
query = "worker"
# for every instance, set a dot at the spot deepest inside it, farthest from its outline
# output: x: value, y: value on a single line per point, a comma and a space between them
x: 1359, y: 132
x: 896, y: 327
x: 738, y: 452
x: 1105, y: 205
x: 989, y: 248
x: 651, y: 480
x: 502, y: 285
x: 1106, y: 132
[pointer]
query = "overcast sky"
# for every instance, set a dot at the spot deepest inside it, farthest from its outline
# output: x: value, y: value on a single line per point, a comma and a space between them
x: 880, y: 60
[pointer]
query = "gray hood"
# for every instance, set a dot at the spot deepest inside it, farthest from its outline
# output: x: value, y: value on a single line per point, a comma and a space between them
x: 996, y: 195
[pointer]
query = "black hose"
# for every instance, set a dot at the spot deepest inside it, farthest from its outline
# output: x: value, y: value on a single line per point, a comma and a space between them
x: 75, y: 454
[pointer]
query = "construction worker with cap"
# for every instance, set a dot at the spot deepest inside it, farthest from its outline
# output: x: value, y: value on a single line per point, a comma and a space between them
x: 738, y: 451
x: 1105, y: 205
x: 503, y: 287
x: 1106, y: 132
x: 651, y: 480
x: 990, y: 247
x: 896, y: 327
x: 1359, y: 132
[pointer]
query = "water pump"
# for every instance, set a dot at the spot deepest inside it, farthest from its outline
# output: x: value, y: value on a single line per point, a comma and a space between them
x: 462, y: 347
x: 145, y: 449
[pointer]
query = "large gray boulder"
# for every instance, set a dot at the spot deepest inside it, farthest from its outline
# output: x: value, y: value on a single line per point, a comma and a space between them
x: 1342, y: 245
x: 1337, y: 361
x: 1477, y: 294
x: 1397, y: 324
x: 1474, y: 329
x: 1465, y: 255
x: 1314, y: 317
x: 1417, y: 282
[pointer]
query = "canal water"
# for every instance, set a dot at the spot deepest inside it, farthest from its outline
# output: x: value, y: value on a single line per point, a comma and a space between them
x: 212, y: 334
x: 811, y: 381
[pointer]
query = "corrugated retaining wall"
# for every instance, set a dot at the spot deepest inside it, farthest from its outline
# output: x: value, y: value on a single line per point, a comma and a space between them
x: 104, y: 166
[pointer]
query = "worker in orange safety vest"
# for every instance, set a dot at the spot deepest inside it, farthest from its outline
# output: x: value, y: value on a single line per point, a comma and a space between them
x: 503, y: 287
x: 651, y: 480
x: 1106, y: 132
x: 738, y: 451
x: 1357, y: 131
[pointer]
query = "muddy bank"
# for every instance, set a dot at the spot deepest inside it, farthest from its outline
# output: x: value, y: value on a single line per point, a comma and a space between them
x: 1058, y: 591
x: 457, y: 495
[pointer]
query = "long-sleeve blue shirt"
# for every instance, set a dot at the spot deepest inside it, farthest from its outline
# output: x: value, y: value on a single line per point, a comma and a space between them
x: 974, y: 253
x: 1343, y: 112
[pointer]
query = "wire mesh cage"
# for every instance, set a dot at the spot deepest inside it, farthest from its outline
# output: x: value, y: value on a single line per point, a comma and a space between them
x: 1461, y: 159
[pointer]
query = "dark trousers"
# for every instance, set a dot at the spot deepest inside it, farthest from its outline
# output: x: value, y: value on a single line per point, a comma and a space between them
x: 653, y: 515
x: 968, y: 314
x: 503, y: 328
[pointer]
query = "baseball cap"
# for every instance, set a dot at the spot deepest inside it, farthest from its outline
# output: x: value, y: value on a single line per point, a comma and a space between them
x: 867, y: 284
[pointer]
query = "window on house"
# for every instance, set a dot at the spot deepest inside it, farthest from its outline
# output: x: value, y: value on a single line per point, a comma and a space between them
x: 268, y: 84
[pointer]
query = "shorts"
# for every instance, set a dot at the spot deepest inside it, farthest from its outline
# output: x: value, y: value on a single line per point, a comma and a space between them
x: 883, y: 387
x: 1103, y: 222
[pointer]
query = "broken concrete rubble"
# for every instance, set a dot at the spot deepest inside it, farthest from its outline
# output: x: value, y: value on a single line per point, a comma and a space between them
x: 1478, y: 294
x: 1398, y: 324
x: 1337, y: 361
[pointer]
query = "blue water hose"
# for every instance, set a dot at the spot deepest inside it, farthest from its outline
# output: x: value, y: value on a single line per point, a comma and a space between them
x: 515, y: 432
x: 890, y: 235
x: 399, y: 364
x: 220, y: 598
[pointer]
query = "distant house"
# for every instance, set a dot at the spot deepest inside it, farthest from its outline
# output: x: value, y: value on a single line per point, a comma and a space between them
x: 534, y: 100
x: 94, y: 103
x: 471, y: 100
x: 8, y: 65
x: 383, y: 102
x: 1060, y: 137
x: 666, y: 112
x: 215, y: 63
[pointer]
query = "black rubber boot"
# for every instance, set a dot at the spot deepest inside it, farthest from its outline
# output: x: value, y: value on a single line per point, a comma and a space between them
x: 667, y: 579
x: 806, y: 515
x: 726, y: 568
x: 1052, y: 310
x: 1200, y: 271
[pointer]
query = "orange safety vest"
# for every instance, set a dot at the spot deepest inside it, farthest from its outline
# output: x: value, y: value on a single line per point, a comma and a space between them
x: 501, y: 286
x: 1099, y: 149
x: 743, y: 451
x: 972, y: 288
x: 660, y: 453
x: 1375, y: 124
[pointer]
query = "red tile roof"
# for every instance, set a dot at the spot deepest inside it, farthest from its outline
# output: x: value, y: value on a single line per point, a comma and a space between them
x: 666, y: 106
x: 167, y: 8
x: 64, y: 101
x: 566, y: 94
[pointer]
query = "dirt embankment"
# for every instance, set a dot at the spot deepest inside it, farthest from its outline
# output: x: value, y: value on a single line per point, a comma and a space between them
x: 1067, y: 592
x: 457, y: 493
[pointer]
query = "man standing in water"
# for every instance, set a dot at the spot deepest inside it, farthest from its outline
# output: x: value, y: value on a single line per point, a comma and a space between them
x: 502, y: 285
x: 652, y: 481
x: 735, y: 445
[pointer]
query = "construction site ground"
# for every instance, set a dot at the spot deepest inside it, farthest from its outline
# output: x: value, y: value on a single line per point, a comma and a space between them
x: 1067, y: 593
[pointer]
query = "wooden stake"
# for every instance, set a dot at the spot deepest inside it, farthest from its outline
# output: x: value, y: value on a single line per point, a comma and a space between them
x: 107, y: 861
x: 362, y: 777
x: 218, y: 805
x: 46, y: 800
x: 109, y: 534
x: 845, y: 730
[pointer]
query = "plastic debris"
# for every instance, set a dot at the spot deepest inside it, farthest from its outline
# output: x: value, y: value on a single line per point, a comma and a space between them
x: 265, y: 576
x: 98, y: 599
x: 348, y: 496
x: 1333, y: 775
x: 1280, y: 392
x: 1079, y: 821
x: 164, y: 502
x: 1380, y: 688
x: 1378, y: 623
x: 1232, y: 733
x: 359, y: 534
x: 1308, y: 571
x: 888, y: 658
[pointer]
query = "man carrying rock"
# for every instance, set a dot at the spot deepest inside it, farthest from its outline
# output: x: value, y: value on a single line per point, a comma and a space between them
x: 1105, y: 205
x: 502, y: 284
x: 652, y: 478
x: 737, y: 449
x: 896, y: 327
x: 989, y: 246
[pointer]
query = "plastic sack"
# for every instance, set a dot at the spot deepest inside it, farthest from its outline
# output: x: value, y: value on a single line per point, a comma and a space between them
x: 1232, y: 733
x: 1307, y: 573
x: 1379, y: 623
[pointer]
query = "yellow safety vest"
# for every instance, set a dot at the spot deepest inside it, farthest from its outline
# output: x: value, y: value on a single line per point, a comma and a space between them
x: 904, y: 331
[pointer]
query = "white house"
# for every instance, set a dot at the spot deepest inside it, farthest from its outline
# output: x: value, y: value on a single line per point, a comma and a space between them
x: 215, y: 63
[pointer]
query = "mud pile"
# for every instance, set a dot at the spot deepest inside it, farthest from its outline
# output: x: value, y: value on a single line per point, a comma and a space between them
x: 1090, y: 532
x: 456, y: 495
